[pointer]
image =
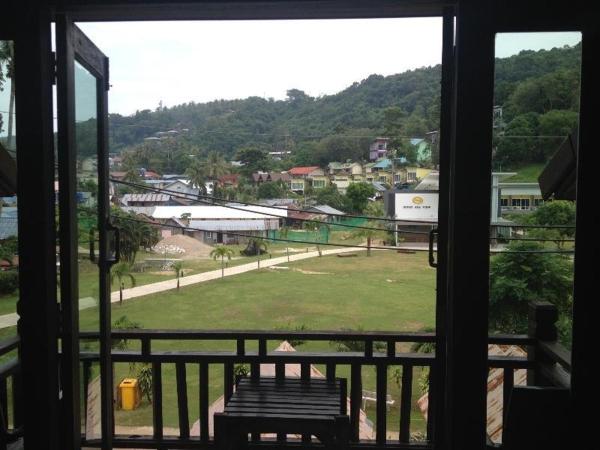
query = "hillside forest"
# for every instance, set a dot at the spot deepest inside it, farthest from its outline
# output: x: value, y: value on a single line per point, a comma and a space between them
x: 536, y: 98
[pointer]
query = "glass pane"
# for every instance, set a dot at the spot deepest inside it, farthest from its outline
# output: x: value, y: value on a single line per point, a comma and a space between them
x: 86, y: 133
x: 536, y: 115
x: 9, y: 262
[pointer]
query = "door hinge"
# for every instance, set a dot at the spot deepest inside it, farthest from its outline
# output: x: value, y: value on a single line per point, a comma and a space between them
x: 432, y: 240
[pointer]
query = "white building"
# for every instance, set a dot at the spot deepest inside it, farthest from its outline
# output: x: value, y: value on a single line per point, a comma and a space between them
x: 228, y: 224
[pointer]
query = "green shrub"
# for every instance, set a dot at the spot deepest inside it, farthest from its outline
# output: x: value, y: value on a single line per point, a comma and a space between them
x: 9, y: 282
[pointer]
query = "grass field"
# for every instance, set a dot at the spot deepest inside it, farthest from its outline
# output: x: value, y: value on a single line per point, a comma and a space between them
x: 88, y: 272
x: 388, y: 291
x: 528, y: 173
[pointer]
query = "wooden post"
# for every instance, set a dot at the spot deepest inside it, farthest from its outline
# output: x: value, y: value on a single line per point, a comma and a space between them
x: 37, y: 306
x: 585, y: 305
x: 465, y: 389
x: 542, y: 327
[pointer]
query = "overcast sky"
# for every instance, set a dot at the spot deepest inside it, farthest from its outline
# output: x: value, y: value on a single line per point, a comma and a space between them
x: 178, y: 62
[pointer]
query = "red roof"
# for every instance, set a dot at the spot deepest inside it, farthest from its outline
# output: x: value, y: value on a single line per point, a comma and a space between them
x: 302, y: 170
x: 151, y: 174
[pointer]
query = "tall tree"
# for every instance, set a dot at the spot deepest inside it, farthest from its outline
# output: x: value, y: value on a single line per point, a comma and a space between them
x: 524, y: 276
x: 358, y: 195
x: 197, y: 175
x: 215, y: 166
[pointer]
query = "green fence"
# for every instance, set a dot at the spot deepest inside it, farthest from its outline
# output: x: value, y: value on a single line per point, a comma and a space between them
x: 320, y: 236
x: 322, y: 233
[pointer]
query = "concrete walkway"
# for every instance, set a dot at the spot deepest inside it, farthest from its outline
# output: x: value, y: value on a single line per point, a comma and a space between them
x: 10, y: 320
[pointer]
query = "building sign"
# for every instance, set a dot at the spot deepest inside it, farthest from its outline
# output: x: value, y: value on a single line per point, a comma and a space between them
x: 416, y: 206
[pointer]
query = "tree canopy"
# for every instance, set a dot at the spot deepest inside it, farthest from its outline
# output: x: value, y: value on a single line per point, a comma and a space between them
x: 537, y: 90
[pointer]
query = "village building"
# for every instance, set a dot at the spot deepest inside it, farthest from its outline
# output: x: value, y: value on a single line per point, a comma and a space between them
x: 267, y: 177
x: 378, y: 149
x: 307, y: 176
x: 212, y: 224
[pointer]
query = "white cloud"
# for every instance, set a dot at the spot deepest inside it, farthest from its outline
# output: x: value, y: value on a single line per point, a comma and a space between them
x: 177, y: 62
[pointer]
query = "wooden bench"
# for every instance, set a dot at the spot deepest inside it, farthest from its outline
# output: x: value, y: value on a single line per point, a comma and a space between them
x: 314, y: 407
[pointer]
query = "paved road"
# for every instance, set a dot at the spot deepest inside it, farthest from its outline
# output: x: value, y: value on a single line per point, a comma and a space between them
x: 9, y: 320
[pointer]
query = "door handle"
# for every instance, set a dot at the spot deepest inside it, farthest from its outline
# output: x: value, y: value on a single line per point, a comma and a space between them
x: 432, y: 237
x: 114, y: 244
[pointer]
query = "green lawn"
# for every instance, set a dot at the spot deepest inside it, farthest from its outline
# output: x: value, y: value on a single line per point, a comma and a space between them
x: 528, y: 173
x: 388, y: 291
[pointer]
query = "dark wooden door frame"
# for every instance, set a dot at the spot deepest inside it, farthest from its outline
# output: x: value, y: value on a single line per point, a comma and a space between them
x: 468, y: 234
x: 582, y: 16
x: 37, y: 307
x: 34, y: 139
x: 73, y: 46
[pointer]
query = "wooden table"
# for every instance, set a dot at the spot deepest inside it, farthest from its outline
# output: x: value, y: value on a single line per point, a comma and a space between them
x: 314, y: 407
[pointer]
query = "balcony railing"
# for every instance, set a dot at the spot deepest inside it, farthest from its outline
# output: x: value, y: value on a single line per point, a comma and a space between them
x: 547, y: 363
x: 10, y: 388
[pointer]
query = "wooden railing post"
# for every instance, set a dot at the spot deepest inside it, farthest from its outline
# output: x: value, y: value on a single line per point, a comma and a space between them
x: 542, y: 327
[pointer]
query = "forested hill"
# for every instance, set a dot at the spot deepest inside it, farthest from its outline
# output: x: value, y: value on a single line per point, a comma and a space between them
x: 530, y: 82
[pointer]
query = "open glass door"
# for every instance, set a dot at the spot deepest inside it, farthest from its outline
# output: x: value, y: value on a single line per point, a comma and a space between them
x: 87, y: 248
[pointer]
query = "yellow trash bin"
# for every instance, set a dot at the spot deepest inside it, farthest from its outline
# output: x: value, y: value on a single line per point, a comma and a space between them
x: 129, y: 391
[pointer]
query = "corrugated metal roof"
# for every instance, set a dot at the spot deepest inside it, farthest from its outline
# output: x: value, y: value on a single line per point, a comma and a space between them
x: 379, y: 187
x: 234, y: 225
x: 431, y: 182
x: 326, y: 209
x: 218, y: 212
x: 145, y: 198
x: 383, y: 164
x: 146, y: 210
x: 520, y: 189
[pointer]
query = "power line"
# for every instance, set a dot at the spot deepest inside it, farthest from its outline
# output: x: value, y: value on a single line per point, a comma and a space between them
x: 178, y: 195
x: 187, y: 228
x: 250, y: 236
x: 230, y: 206
x: 220, y: 199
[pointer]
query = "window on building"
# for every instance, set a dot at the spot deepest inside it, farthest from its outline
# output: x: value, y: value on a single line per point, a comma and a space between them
x: 515, y: 203
x: 318, y: 184
x: 411, y: 177
x: 525, y: 203
x: 504, y: 202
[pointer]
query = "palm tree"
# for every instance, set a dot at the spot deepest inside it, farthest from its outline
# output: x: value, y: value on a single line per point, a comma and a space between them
x: 195, y: 172
x: 178, y: 268
x: 215, y: 166
x: 259, y: 245
x: 371, y: 233
x: 283, y: 234
x: 221, y: 251
x: 120, y: 271
x: 316, y: 227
